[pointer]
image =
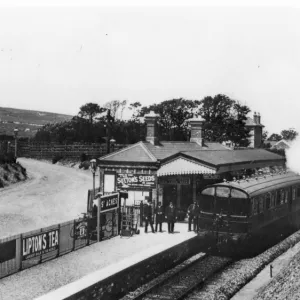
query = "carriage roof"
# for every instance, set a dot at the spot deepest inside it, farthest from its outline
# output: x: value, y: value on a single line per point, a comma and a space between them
x: 263, y: 184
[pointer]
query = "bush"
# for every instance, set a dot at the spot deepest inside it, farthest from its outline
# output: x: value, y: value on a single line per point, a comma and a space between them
x: 85, y: 165
x: 1, y: 184
x: 8, y: 158
x: 83, y: 157
x: 56, y: 158
x: 5, y: 177
x: 17, y: 176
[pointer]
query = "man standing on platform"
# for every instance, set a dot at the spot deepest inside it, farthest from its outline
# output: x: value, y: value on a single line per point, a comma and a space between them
x: 159, y: 217
x: 193, y: 216
x: 171, y: 217
x: 148, y: 216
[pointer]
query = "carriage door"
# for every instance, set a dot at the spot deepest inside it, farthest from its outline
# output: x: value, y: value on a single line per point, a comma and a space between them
x: 290, y: 196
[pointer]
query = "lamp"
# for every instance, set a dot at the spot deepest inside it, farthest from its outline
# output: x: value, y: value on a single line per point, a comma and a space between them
x: 93, y: 169
x: 16, y: 131
x: 112, y: 143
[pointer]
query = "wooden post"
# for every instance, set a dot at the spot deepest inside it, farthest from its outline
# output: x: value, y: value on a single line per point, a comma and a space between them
x: 99, y: 220
x: 271, y: 267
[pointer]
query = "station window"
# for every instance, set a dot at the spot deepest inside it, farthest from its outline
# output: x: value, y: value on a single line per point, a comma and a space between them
x: 268, y: 200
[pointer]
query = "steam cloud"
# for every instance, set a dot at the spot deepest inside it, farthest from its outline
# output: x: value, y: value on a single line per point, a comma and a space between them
x: 293, y: 156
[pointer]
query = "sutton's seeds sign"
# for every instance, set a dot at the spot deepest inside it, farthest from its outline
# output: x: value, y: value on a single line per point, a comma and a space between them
x: 39, y: 244
x: 136, y: 180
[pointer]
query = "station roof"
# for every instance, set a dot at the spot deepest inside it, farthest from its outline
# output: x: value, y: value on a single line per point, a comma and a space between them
x: 192, y: 158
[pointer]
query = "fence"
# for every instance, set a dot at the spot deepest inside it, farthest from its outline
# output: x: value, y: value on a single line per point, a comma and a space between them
x: 29, y: 249
x: 50, y: 150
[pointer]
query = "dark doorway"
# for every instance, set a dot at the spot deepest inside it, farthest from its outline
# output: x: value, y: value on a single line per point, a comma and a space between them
x: 186, y: 197
x: 170, y: 194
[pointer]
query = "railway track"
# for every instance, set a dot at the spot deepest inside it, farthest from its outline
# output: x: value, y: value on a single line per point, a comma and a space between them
x: 179, y: 282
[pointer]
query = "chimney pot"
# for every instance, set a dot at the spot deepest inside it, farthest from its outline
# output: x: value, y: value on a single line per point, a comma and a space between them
x: 151, y: 121
x: 196, y: 125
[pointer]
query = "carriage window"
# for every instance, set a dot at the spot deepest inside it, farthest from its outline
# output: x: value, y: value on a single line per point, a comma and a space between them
x: 268, y: 200
x: 286, y: 196
x: 254, y: 206
x: 238, y: 194
x: 294, y: 193
x: 277, y: 198
x: 282, y: 196
x: 298, y: 192
x: 260, y: 208
x: 223, y: 192
x: 209, y: 191
x: 273, y: 197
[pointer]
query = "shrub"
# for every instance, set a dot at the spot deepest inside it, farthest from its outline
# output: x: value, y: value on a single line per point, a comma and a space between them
x: 56, y: 158
x: 5, y: 167
x: 1, y: 184
x: 83, y: 157
x: 5, y: 177
x: 17, y: 176
x: 85, y: 165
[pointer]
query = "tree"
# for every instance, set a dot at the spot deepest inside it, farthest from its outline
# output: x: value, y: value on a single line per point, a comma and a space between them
x: 275, y: 137
x: 116, y: 108
x: 289, y: 134
x: 224, y: 120
x: 90, y: 110
x: 172, y: 117
x: 265, y: 135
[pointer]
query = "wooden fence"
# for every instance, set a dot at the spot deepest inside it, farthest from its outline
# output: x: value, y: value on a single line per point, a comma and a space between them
x: 51, y: 150
x: 29, y: 249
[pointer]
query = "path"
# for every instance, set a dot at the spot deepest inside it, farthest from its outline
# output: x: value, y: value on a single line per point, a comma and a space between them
x: 51, y: 195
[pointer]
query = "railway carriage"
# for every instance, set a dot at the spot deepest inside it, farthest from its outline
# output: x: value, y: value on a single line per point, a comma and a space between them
x: 245, y: 216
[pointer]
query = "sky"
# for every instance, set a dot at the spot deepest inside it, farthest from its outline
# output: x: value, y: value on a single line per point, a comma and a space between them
x: 58, y: 55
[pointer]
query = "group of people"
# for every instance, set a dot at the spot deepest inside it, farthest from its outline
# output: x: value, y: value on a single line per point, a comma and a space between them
x: 170, y: 216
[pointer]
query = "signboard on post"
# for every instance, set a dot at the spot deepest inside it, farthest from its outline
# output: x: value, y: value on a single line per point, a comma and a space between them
x: 109, y: 202
x: 136, y: 180
x: 105, y: 204
x: 39, y: 244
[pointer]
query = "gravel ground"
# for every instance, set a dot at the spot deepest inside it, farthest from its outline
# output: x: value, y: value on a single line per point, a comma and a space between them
x: 52, y: 194
x: 51, y: 275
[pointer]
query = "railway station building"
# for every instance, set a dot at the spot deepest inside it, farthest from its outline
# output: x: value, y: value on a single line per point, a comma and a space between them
x: 177, y: 171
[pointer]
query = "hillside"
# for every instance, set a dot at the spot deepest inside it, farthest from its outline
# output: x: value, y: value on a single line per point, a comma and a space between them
x: 27, y: 121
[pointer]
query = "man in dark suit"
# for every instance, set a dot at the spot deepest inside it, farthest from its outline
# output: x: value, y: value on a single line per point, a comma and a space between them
x: 171, y: 217
x: 159, y: 217
x: 148, y: 216
x: 193, y: 216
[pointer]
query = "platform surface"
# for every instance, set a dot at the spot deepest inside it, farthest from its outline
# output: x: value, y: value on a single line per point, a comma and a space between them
x: 41, y: 279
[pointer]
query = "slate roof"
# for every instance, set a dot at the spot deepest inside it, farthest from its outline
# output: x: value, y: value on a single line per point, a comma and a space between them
x: 250, y: 122
x: 147, y: 152
x: 225, y: 157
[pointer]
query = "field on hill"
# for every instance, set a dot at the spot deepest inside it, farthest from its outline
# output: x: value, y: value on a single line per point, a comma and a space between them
x: 27, y: 121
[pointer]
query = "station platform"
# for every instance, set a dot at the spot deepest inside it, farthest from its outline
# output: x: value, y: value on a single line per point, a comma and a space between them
x: 42, y: 279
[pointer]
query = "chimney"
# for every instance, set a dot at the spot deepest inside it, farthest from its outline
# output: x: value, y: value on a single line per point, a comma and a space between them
x: 258, y: 118
x: 255, y: 118
x: 152, y: 134
x: 196, y: 130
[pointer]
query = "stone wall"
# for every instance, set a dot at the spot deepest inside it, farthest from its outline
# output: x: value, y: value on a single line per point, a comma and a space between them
x: 116, y: 285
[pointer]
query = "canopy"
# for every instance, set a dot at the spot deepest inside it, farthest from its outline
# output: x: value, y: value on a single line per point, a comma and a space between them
x: 182, y: 166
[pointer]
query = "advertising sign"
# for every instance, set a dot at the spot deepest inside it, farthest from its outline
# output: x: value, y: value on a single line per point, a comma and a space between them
x: 175, y: 180
x: 39, y: 244
x: 7, y: 251
x: 109, y: 202
x: 211, y: 176
x: 136, y: 180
